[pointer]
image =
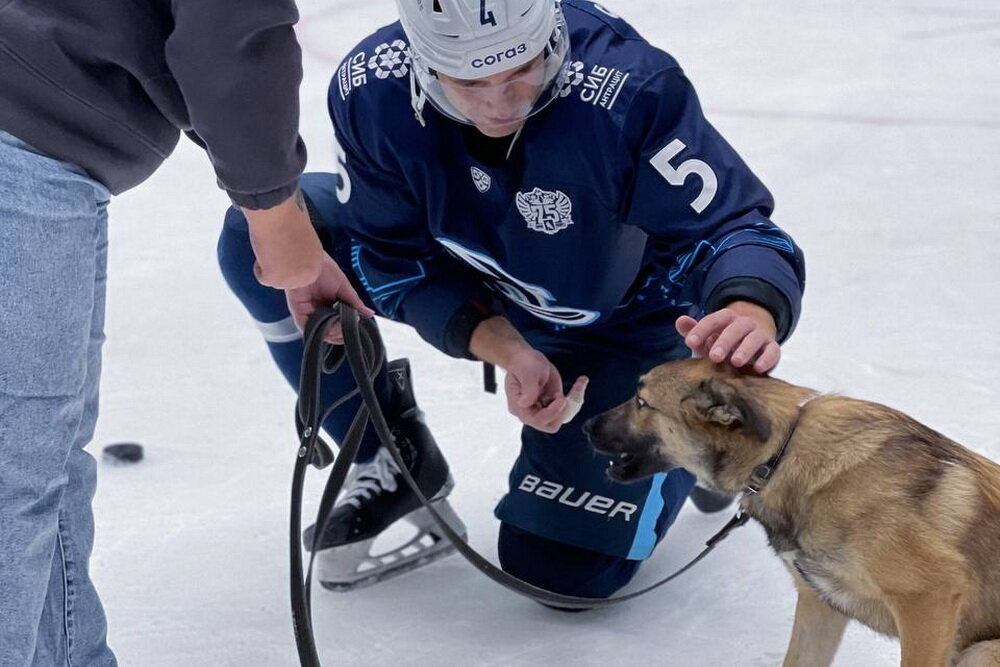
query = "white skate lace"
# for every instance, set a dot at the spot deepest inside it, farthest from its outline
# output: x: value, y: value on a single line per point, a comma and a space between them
x: 370, y: 479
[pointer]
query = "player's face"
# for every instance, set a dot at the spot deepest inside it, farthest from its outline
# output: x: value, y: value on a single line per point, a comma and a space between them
x: 497, y: 105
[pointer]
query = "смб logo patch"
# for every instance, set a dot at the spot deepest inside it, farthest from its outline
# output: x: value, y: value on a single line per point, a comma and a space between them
x: 391, y: 59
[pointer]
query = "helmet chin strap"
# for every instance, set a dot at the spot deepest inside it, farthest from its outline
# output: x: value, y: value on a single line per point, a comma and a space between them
x: 517, y: 135
x: 417, y: 98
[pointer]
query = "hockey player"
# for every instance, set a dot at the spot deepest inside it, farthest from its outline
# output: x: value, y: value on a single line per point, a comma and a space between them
x: 531, y: 184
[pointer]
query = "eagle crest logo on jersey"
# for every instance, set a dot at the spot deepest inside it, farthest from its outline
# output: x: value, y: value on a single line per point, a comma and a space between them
x: 481, y: 179
x: 391, y: 59
x: 545, y: 211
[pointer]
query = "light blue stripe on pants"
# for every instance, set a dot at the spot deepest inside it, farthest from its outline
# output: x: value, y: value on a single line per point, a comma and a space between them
x: 53, y: 259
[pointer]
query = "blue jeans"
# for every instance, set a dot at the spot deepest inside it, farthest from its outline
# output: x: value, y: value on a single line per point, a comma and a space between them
x: 53, y: 259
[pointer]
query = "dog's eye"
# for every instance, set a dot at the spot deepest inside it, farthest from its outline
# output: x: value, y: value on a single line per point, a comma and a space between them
x: 640, y: 402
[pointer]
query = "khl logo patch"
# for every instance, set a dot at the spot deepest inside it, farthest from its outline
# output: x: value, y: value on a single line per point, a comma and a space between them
x: 391, y: 59
x: 545, y: 211
x: 481, y: 179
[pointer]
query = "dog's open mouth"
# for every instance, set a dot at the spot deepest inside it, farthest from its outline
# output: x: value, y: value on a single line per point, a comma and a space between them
x: 622, y: 467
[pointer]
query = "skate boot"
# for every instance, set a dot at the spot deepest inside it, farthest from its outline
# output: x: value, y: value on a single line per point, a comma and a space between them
x: 376, y: 496
x: 708, y: 501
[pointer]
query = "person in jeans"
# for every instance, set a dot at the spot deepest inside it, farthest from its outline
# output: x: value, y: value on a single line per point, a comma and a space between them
x: 84, y: 116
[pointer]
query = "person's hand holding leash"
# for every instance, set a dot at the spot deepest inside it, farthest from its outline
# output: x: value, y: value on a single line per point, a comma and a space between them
x: 741, y: 333
x: 330, y: 287
x: 286, y: 247
x: 289, y: 256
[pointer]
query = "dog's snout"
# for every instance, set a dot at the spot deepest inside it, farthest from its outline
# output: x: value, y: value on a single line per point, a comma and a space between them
x: 596, y: 429
x: 600, y: 435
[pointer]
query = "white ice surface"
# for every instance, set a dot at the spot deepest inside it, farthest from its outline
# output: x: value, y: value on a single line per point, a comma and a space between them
x: 876, y: 126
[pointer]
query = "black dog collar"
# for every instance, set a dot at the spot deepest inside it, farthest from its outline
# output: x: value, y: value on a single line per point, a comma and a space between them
x: 762, y: 474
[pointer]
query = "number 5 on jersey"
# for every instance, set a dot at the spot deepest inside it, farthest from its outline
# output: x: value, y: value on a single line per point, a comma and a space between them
x: 340, y: 168
x: 677, y: 176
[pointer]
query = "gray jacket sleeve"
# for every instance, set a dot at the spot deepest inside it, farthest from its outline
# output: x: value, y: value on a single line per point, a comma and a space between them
x: 239, y: 66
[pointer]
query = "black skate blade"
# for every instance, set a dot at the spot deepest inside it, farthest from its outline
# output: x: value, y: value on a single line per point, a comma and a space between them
x: 390, y: 572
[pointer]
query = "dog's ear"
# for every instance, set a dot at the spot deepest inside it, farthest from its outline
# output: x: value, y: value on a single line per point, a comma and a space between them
x: 719, y: 402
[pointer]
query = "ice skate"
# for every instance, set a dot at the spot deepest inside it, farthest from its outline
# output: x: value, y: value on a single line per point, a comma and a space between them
x: 375, y: 497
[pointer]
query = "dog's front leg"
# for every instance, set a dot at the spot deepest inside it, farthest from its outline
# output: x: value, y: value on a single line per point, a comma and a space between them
x: 927, y: 624
x: 816, y: 633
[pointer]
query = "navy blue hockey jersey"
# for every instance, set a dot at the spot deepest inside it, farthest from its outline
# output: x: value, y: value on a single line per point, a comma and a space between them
x: 618, y: 196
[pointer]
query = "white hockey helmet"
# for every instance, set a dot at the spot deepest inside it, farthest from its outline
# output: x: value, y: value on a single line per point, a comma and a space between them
x: 475, y: 39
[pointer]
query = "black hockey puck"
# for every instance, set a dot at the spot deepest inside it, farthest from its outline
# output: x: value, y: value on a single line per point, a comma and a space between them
x: 123, y: 452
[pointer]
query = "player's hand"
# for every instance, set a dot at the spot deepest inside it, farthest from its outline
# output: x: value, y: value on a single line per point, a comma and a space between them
x: 330, y: 287
x: 288, y: 252
x: 741, y: 333
x: 532, y: 384
x: 534, y: 392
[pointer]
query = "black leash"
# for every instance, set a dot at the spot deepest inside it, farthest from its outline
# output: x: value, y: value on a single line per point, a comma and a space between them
x: 366, y: 355
x: 318, y: 358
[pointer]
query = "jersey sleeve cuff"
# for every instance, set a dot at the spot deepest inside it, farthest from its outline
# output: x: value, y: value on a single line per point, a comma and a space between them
x: 458, y: 332
x: 754, y: 290
x: 762, y: 275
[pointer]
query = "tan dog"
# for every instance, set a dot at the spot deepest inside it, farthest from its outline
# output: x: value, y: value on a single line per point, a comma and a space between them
x: 877, y: 517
